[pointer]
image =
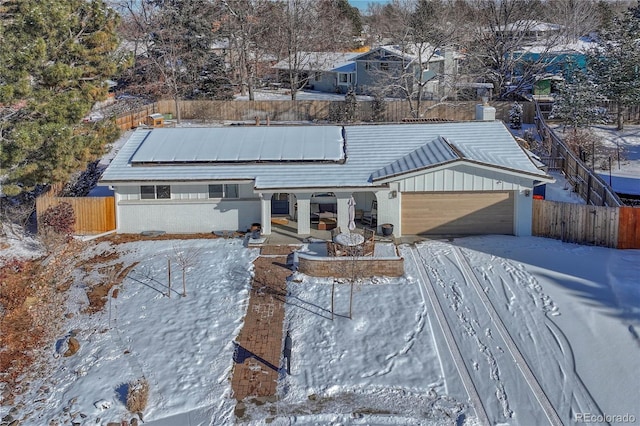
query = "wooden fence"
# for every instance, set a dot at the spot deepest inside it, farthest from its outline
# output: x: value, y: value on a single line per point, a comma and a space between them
x: 591, y: 187
x: 314, y: 111
x: 94, y: 215
x: 615, y: 227
x: 132, y: 119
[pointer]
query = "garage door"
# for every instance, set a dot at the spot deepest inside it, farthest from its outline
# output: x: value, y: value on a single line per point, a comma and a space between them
x: 457, y: 213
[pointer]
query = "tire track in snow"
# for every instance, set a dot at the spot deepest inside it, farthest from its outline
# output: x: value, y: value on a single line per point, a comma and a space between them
x: 426, y: 285
x: 572, y: 396
x: 530, y: 378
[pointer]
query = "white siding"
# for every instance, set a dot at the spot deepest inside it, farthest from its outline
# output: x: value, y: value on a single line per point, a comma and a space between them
x: 188, y: 211
x: 187, y: 216
x: 463, y: 178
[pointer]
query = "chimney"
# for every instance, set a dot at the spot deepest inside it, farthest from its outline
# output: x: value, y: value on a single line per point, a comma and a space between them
x: 485, y: 112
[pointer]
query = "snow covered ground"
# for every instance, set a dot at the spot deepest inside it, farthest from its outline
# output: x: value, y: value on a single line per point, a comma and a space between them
x: 572, y: 312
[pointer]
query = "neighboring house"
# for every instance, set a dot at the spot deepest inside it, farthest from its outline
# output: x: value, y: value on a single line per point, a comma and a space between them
x: 553, y: 63
x: 331, y: 72
x: 376, y: 69
x: 528, y: 31
x: 386, y: 66
x: 429, y: 179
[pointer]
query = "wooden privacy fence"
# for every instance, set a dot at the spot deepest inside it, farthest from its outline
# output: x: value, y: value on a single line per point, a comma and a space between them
x: 94, y: 215
x: 316, y: 110
x: 591, y: 187
x: 615, y: 227
x: 132, y: 119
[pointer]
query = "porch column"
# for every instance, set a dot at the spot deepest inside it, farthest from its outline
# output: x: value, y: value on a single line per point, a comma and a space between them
x: 265, y: 212
x: 342, y: 200
x: 389, y: 209
x: 304, y: 213
x: 292, y: 206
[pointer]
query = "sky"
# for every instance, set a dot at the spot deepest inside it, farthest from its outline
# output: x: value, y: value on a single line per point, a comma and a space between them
x: 364, y: 4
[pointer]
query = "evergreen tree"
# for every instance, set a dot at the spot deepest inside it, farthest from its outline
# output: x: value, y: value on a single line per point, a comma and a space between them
x: 577, y: 102
x: 174, y: 38
x: 55, y: 58
x: 515, y: 116
x: 614, y: 64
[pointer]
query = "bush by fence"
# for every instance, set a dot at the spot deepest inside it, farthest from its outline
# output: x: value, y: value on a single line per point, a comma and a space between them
x: 93, y: 215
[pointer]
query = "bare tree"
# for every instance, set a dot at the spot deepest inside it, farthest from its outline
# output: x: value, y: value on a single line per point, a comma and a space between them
x: 186, y: 259
x: 496, y: 51
x: 305, y: 28
x: 420, y: 36
x: 248, y: 25
x: 172, y: 44
x: 576, y: 17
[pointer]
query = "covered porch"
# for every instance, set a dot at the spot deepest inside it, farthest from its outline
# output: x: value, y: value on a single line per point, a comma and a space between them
x: 306, y: 214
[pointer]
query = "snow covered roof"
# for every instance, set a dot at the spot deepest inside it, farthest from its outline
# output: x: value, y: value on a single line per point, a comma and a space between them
x: 413, y: 52
x: 373, y: 154
x: 321, y: 61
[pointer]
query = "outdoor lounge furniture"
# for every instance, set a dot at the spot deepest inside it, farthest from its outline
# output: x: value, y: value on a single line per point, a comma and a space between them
x: 323, y: 211
x: 369, y: 245
x: 370, y: 218
x: 327, y: 223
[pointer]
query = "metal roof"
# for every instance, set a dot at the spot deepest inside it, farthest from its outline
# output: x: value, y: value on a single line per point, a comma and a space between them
x: 373, y: 153
x: 320, y: 61
x: 241, y: 144
x: 438, y: 151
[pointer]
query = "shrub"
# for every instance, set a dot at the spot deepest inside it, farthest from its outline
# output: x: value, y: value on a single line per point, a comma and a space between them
x: 137, y: 395
x: 59, y: 218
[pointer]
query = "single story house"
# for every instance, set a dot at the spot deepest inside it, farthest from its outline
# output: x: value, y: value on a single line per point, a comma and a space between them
x: 330, y: 72
x: 431, y: 179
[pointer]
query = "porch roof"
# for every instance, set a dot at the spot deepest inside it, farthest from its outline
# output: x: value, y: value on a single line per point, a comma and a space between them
x: 369, y: 149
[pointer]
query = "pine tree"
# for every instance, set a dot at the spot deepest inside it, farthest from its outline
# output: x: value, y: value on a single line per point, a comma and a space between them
x: 614, y: 64
x: 55, y: 58
x: 577, y: 102
x: 515, y: 116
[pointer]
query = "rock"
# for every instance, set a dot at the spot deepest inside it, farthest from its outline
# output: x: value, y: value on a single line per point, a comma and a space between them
x: 7, y: 419
x: 102, y: 404
x: 73, y: 346
x: 15, y: 423
x: 134, y: 421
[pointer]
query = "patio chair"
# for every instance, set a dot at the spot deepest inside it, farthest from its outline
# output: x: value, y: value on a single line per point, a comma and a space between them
x: 369, y: 245
x: 331, y: 249
x: 335, y: 231
x: 370, y: 218
x: 334, y: 250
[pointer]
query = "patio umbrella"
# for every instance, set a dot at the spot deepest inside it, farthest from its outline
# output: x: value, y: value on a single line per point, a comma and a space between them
x: 352, y: 213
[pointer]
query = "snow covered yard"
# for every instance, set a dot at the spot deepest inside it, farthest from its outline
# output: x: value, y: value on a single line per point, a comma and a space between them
x: 567, y: 314
x: 181, y: 345
x: 572, y: 312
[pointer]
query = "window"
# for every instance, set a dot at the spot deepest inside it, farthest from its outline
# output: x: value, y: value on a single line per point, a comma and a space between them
x: 345, y: 78
x: 153, y: 192
x: 367, y: 66
x: 228, y: 190
x: 317, y: 76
